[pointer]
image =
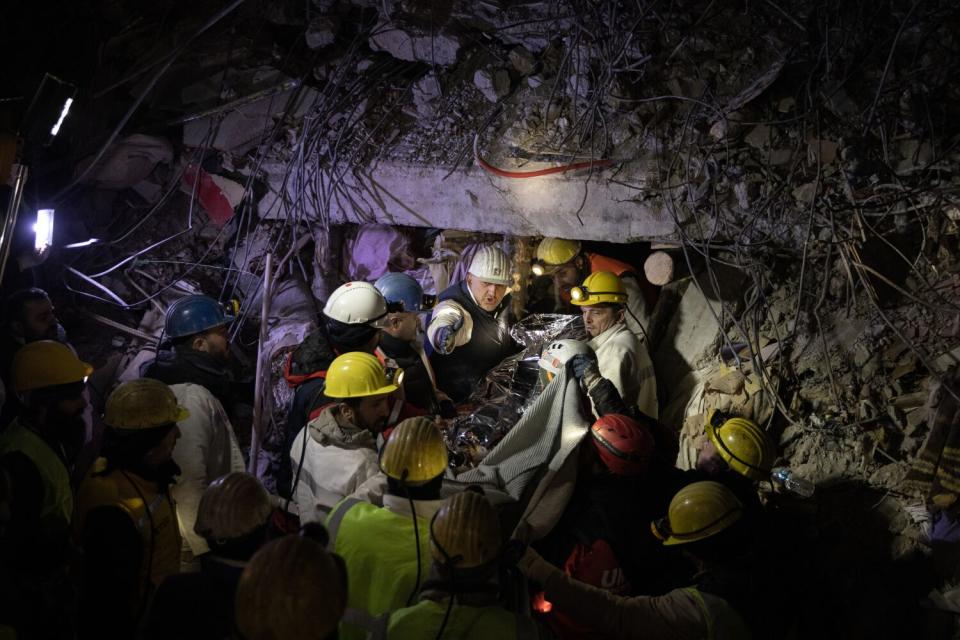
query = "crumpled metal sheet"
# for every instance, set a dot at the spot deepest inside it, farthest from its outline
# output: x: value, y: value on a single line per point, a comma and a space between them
x: 508, y: 389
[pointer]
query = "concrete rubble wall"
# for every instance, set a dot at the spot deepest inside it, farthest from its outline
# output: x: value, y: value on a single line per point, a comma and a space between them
x: 472, y: 200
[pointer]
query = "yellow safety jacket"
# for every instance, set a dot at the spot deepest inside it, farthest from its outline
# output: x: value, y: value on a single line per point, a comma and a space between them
x: 153, y: 514
x: 379, y: 549
x: 57, y: 495
x: 425, y: 618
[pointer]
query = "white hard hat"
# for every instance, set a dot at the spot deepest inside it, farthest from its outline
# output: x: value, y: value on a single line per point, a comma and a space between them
x: 556, y: 354
x: 490, y: 264
x: 356, y: 303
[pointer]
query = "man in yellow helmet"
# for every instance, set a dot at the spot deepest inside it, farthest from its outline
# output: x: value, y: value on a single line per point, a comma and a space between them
x: 568, y: 264
x: 387, y: 549
x: 126, y: 520
x: 621, y: 357
x: 736, y: 453
x: 335, y: 454
x: 49, y: 430
x: 462, y: 597
x: 704, y: 520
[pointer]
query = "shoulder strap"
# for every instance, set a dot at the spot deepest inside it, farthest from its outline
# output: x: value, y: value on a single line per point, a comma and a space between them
x: 336, y: 519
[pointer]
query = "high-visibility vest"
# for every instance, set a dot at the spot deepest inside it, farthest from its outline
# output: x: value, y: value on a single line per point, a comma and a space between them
x: 379, y: 549
x: 425, y: 618
x: 57, y: 494
x: 723, y: 621
x: 153, y: 514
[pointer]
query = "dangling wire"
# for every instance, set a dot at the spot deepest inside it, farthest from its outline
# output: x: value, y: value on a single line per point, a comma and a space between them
x: 450, y: 564
x: 416, y: 534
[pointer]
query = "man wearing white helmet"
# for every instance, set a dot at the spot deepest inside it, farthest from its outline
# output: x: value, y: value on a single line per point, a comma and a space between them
x: 469, y: 329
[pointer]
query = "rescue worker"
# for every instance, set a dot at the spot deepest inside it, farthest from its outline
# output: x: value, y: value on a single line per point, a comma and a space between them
x: 706, y: 519
x: 469, y: 330
x: 198, y: 330
x: 197, y: 372
x: 738, y: 454
x: 569, y: 265
x: 126, y: 521
x: 28, y: 316
x: 398, y: 340
x: 233, y: 518
x: 461, y: 597
x: 603, y: 537
x: 49, y: 379
x: 386, y: 549
x: 350, y: 322
x: 292, y: 588
x: 335, y: 454
x: 621, y: 357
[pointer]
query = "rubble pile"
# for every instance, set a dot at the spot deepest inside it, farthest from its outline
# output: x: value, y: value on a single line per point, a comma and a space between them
x: 803, y: 154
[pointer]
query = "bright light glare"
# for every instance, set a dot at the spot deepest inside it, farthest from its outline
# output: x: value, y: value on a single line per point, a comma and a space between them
x: 43, y: 230
x: 63, y: 114
x: 85, y: 243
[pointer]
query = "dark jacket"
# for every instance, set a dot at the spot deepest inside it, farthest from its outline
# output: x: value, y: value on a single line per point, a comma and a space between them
x: 195, y: 606
x: 306, y: 373
x: 417, y: 385
x: 186, y: 365
x: 458, y: 373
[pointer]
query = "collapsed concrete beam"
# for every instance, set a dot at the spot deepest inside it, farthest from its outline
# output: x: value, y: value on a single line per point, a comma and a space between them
x: 472, y: 200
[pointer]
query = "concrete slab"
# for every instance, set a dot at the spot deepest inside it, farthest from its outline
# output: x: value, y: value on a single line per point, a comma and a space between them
x: 473, y: 200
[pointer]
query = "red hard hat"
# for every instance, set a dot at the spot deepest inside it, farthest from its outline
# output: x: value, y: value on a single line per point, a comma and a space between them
x: 624, y: 445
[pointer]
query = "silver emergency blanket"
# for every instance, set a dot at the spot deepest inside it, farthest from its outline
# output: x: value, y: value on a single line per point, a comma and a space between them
x: 508, y: 390
x: 534, y: 450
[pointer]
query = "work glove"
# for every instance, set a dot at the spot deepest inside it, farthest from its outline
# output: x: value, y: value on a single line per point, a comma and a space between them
x: 444, y: 339
x: 585, y: 369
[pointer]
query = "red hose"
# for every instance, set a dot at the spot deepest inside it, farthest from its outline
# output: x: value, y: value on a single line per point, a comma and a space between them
x: 503, y: 173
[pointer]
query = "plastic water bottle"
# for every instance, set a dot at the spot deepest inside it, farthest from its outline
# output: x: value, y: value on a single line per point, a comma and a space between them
x: 787, y: 479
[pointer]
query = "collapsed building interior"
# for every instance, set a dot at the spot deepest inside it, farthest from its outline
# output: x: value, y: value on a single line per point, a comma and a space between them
x: 784, y: 173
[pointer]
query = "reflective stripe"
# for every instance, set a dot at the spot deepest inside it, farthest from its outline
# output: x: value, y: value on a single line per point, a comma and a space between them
x: 695, y: 594
x: 336, y: 519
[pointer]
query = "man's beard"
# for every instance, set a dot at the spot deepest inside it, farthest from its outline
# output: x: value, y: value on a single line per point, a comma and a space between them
x: 71, y: 432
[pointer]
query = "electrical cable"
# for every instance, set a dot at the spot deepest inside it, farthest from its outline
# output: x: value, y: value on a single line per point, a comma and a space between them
x: 504, y: 173
x: 416, y: 534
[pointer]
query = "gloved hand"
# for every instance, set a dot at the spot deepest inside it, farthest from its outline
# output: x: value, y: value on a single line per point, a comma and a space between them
x: 444, y: 339
x: 583, y: 364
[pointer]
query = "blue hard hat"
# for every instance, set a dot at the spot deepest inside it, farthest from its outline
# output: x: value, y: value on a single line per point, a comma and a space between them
x: 401, y: 288
x: 194, y: 314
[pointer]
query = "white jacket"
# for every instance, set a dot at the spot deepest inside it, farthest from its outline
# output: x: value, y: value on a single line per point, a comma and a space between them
x: 624, y: 361
x: 206, y: 450
x: 335, y: 466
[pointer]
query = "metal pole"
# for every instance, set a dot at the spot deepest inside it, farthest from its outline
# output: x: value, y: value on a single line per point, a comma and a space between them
x: 263, y: 368
x: 19, y: 172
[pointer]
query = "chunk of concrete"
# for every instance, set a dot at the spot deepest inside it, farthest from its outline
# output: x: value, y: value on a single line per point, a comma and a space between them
x: 522, y: 60
x: 494, y: 84
x: 409, y: 42
x: 322, y: 32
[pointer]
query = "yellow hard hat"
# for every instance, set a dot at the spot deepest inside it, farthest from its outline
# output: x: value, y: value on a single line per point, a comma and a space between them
x: 598, y: 287
x: 553, y: 252
x: 357, y: 375
x: 47, y: 363
x: 414, y: 453
x: 465, y: 532
x: 700, y: 510
x: 142, y: 404
x: 291, y: 588
x: 232, y: 506
x: 742, y: 445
